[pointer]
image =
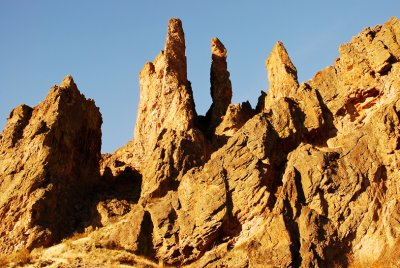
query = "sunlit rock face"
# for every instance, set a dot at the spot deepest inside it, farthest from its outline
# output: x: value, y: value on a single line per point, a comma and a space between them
x: 309, y: 178
x: 49, y: 162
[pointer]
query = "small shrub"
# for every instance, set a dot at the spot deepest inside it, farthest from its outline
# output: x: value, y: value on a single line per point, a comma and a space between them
x: 22, y: 256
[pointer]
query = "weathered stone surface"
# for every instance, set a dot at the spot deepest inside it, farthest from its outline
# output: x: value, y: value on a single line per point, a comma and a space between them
x: 289, y: 104
x: 128, y: 233
x: 166, y: 99
x: 166, y: 143
x: 337, y: 200
x: 203, y: 198
x: 221, y: 86
x: 166, y: 103
x: 282, y: 74
x: 173, y: 155
x: 48, y: 161
x: 163, y: 212
x: 235, y: 184
x: 235, y: 117
x: 311, y: 180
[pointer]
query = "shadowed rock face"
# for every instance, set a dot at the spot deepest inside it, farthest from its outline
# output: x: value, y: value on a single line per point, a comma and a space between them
x: 221, y: 87
x: 49, y: 159
x: 308, y: 179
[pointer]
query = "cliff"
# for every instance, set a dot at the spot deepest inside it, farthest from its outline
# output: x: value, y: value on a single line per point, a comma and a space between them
x: 309, y: 178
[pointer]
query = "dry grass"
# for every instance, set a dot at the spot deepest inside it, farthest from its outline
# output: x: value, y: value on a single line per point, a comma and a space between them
x: 22, y: 256
x: 77, y: 235
x: 18, y: 258
x: 85, y: 252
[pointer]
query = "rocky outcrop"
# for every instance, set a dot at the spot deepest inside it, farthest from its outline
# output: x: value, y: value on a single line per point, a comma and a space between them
x: 334, y: 206
x: 235, y: 117
x: 282, y: 74
x: 228, y: 192
x: 167, y: 142
x: 166, y: 103
x: 221, y: 86
x: 310, y: 178
x: 49, y: 161
x: 166, y: 98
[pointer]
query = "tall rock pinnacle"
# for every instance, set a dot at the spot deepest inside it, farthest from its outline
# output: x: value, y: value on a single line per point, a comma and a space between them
x: 309, y: 179
x: 166, y: 98
x: 175, y: 59
x: 221, y: 87
x: 282, y: 74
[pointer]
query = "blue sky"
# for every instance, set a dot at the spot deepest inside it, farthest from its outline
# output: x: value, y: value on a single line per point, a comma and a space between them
x: 104, y: 44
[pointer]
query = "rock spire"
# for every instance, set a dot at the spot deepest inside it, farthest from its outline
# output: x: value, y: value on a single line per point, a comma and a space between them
x: 282, y: 74
x: 166, y: 98
x: 221, y: 87
x: 309, y: 179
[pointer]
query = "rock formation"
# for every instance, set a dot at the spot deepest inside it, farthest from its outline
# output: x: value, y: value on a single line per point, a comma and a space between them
x: 282, y: 74
x: 310, y: 178
x: 221, y: 87
x: 49, y: 161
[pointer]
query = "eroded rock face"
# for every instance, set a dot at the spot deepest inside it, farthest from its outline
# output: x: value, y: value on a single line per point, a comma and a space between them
x: 310, y: 178
x: 336, y: 201
x: 221, y: 86
x: 49, y: 161
x: 282, y: 74
x: 166, y: 142
x: 166, y: 98
x: 166, y: 103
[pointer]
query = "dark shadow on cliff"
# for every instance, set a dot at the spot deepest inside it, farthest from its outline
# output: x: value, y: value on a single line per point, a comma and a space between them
x: 145, y: 239
x: 126, y: 186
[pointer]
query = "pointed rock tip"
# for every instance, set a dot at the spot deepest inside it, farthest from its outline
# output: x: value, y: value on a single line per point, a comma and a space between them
x: 217, y: 48
x: 174, y: 52
x: 175, y: 38
x: 393, y: 20
x: 68, y: 82
x: 282, y: 74
x: 279, y: 53
x: 175, y: 26
x: 280, y: 46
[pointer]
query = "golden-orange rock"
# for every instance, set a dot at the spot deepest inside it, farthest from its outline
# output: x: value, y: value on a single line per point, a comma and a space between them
x: 49, y: 161
x: 282, y: 74
x: 310, y: 178
x: 221, y: 87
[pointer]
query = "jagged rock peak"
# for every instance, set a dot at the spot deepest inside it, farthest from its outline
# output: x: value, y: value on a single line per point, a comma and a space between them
x: 282, y: 74
x: 221, y: 86
x: 166, y: 97
x: 175, y: 50
x: 68, y: 82
x: 53, y: 162
x: 217, y: 48
x: 16, y: 122
x: 311, y: 181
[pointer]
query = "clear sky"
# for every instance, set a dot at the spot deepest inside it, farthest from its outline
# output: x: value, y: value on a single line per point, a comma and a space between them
x: 104, y: 44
